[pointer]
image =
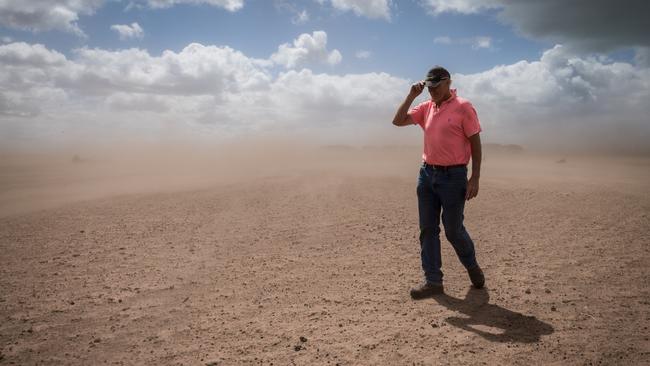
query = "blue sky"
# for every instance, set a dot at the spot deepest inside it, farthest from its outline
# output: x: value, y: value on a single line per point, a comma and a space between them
x: 403, y: 45
x: 261, y: 25
x: 103, y: 60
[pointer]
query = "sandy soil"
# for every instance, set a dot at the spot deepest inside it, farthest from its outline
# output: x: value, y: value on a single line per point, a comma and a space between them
x: 306, y: 257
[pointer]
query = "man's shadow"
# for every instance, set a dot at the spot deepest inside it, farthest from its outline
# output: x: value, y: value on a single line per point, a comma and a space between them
x: 510, y: 326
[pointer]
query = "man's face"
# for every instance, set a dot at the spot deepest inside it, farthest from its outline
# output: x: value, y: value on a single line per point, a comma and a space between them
x: 441, y: 91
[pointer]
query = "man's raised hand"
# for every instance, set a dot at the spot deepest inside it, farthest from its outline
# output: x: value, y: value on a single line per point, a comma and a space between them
x: 416, y: 89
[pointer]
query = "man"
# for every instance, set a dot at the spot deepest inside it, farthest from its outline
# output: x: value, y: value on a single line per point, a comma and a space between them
x: 451, y: 136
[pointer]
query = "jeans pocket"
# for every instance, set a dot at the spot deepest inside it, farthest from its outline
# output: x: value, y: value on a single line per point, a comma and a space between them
x: 458, y: 176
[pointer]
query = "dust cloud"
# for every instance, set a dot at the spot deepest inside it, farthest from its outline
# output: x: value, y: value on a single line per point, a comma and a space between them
x: 35, y: 179
x: 44, y: 178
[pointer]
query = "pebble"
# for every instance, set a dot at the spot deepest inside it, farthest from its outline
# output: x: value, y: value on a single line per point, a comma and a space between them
x: 303, y: 339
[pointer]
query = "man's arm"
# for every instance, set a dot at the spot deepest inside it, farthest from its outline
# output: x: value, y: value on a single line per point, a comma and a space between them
x: 402, y: 117
x: 472, y: 184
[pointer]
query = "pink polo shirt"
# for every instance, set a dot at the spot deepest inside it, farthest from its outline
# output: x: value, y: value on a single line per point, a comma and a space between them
x: 447, y: 130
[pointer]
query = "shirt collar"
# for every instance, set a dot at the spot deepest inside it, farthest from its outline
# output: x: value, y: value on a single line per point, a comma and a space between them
x: 453, y: 95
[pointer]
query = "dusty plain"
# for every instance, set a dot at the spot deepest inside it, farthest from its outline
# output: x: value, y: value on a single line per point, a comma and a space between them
x: 286, y: 255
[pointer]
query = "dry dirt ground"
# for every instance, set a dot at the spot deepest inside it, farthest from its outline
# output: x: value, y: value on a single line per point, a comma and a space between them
x: 310, y: 264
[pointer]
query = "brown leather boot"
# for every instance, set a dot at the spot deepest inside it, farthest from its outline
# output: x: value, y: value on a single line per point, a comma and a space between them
x: 427, y: 290
x: 476, y: 276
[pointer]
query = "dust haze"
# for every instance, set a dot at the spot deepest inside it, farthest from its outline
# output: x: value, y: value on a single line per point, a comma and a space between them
x: 44, y: 177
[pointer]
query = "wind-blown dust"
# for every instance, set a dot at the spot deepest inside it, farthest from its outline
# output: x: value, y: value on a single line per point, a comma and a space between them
x: 270, y: 252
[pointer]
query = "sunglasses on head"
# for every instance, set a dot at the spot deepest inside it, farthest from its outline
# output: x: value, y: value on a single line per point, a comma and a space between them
x: 431, y: 84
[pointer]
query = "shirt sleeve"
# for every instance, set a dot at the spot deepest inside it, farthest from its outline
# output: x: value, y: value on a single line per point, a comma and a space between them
x: 471, y: 124
x: 418, y: 114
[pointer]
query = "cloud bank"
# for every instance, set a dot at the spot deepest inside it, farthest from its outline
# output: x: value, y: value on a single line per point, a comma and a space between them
x: 562, y: 99
x: 213, y: 89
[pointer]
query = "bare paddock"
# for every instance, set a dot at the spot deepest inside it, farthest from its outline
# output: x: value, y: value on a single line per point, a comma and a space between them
x: 296, y: 255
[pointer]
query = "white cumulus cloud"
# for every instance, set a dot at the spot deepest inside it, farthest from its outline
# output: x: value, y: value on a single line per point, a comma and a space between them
x: 306, y: 49
x: 207, y: 86
x: 563, y: 98
x: 367, y: 8
x: 230, y: 5
x: 126, y: 31
x: 21, y: 54
x: 63, y: 15
x: 299, y: 16
x: 482, y: 42
x: 46, y: 15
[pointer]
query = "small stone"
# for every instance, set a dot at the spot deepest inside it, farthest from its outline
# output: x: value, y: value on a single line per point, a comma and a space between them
x: 96, y: 340
x: 547, y: 291
x: 303, y: 339
x: 553, y: 308
x: 82, y: 231
x: 527, y: 290
x: 434, y: 325
x: 297, y: 348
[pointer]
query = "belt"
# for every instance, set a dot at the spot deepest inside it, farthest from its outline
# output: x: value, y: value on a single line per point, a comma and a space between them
x: 444, y: 167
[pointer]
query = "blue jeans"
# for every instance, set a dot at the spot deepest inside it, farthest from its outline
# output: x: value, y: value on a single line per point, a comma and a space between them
x: 443, y: 190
